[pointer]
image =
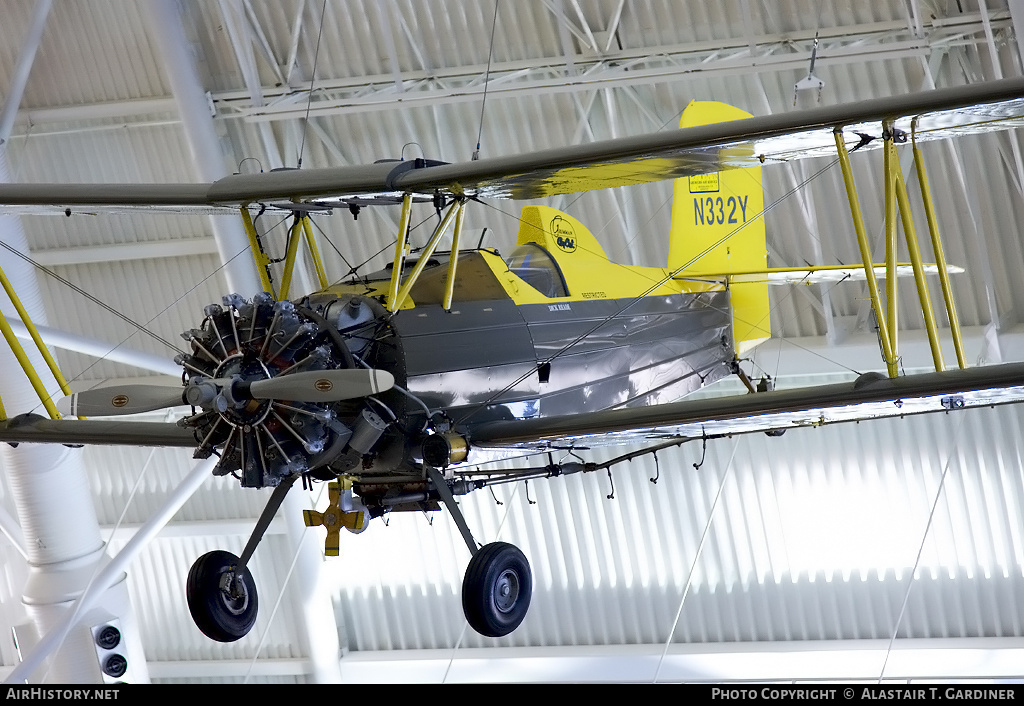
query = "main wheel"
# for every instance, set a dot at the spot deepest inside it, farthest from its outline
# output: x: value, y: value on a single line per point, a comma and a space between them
x: 223, y: 606
x: 496, y: 590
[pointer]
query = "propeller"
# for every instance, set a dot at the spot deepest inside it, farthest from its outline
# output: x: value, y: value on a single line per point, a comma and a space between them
x: 310, y: 386
x: 321, y: 385
x: 120, y: 399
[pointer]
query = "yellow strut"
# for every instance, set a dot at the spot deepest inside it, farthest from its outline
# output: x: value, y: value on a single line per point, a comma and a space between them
x: 865, y: 253
x: 36, y: 338
x: 289, y: 259
x: 26, y: 365
x: 891, y: 295
x: 940, y: 257
x: 261, y: 259
x: 399, y: 264
x: 19, y: 352
x: 428, y: 250
x: 449, y: 283
x: 915, y: 259
x: 314, y: 253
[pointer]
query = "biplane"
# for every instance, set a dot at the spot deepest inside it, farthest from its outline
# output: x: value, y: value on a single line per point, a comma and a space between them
x: 398, y: 387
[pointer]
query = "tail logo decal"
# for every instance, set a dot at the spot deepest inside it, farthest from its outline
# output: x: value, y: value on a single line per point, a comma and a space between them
x: 565, y: 236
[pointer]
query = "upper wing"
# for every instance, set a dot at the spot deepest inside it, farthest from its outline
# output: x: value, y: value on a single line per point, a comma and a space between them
x: 634, y: 160
x: 871, y: 396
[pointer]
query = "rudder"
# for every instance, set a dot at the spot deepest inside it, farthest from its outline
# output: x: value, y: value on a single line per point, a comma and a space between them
x: 717, y: 228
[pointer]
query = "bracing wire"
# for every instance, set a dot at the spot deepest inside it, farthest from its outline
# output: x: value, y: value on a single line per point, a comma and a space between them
x: 95, y: 300
x: 312, y: 81
x: 487, y: 81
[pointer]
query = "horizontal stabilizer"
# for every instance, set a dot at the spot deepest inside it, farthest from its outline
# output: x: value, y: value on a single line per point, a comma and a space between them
x: 813, y: 275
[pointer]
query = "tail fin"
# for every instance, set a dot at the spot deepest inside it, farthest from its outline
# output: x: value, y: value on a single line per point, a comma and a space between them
x: 717, y: 228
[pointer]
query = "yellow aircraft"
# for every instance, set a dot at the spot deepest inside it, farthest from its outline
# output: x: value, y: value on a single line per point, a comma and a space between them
x: 397, y: 386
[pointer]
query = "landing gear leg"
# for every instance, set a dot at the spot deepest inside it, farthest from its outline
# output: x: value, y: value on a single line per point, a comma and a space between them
x: 498, y: 585
x: 220, y: 591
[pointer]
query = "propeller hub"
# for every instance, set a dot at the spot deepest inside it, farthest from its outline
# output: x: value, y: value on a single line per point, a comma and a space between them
x: 235, y: 374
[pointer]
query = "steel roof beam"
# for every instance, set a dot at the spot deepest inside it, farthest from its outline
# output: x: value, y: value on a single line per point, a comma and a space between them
x: 664, y: 63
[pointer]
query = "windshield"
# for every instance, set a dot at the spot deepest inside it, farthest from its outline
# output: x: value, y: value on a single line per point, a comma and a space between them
x: 533, y: 264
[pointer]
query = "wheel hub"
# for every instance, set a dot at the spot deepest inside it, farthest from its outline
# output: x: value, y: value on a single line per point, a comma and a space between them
x: 233, y: 595
x: 506, y: 590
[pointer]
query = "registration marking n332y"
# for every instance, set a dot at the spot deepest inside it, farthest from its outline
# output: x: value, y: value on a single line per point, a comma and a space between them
x: 715, y: 210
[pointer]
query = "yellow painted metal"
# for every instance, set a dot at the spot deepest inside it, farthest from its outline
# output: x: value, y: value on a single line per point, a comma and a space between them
x: 586, y: 269
x: 314, y: 253
x: 890, y: 164
x: 261, y: 259
x: 34, y: 333
x: 26, y: 365
x: 289, y: 258
x: 919, y: 277
x: 717, y: 225
x: 334, y: 518
x: 428, y: 250
x: 865, y: 253
x: 449, y: 282
x: 399, y: 262
x: 940, y: 257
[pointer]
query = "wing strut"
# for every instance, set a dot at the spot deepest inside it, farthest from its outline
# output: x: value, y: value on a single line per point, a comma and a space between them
x: 865, y: 253
x: 910, y: 234
x: 19, y: 353
x: 399, y: 264
x: 897, y: 200
x: 396, y: 303
x: 940, y: 257
x: 261, y: 258
x: 289, y: 258
x: 453, y: 260
x: 314, y: 253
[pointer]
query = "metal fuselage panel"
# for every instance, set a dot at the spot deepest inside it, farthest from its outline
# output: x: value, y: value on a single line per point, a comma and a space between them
x: 497, y: 359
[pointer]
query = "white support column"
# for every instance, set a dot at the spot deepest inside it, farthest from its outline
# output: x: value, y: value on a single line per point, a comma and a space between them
x: 90, y: 602
x: 48, y: 483
x: 33, y: 36
x: 312, y: 598
x: 55, y: 338
x: 168, y: 35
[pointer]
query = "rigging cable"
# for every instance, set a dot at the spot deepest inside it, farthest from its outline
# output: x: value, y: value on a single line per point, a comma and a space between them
x: 312, y: 80
x: 920, y: 549
x: 487, y: 81
x: 94, y: 299
x: 696, y: 558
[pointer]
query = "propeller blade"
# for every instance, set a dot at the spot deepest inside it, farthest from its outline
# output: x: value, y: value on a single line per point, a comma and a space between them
x: 120, y: 399
x: 323, y: 385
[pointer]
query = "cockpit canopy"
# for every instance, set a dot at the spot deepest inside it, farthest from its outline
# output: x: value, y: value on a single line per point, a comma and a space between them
x: 535, y: 266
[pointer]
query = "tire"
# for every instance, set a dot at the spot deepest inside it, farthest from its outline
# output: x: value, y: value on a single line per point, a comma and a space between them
x: 497, y: 589
x: 218, y: 615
